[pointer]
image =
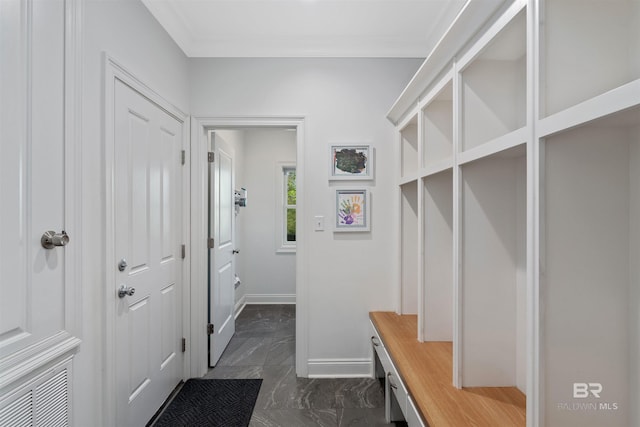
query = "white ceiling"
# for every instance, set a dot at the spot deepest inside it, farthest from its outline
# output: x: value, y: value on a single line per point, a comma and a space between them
x: 305, y: 28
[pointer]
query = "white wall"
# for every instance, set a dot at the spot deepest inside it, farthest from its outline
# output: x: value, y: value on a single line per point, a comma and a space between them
x: 343, y: 100
x: 127, y: 32
x: 267, y: 276
x: 634, y: 274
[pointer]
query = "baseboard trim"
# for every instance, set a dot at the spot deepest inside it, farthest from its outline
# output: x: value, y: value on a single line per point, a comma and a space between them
x: 339, y: 368
x: 270, y: 298
x: 240, y: 305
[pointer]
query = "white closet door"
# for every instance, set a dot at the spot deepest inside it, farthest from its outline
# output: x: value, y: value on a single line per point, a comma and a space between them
x: 148, y: 225
x: 34, y: 304
x: 221, y: 255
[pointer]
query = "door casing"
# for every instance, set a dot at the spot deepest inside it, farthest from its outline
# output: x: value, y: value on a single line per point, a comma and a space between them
x: 200, y: 126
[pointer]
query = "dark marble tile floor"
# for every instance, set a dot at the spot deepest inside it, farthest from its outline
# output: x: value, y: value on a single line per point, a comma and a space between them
x: 264, y: 347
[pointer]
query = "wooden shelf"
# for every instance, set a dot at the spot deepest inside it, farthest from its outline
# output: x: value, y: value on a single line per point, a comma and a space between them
x: 426, y: 370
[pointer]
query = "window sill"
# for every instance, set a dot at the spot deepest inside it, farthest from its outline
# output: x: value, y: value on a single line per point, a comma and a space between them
x: 286, y: 250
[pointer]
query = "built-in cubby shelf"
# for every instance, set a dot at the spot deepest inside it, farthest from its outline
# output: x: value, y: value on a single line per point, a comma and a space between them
x: 520, y: 206
x: 587, y: 48
x: 437, y: 262
x: 493, y: 86
x: 437, y: 128
x: 590, y: 269
x: 409, y: 248
x: 409, y: 148
x: 493, y: 270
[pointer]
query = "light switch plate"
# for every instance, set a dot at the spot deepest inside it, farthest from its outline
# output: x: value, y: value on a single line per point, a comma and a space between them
x: 318, y: 223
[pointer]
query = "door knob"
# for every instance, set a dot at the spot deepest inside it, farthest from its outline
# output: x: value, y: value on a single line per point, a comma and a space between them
x: 125, y: 290
x: 235, y: 251
x: 51, y: 239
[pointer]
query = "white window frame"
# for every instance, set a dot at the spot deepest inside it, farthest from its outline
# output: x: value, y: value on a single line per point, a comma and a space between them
x: 282, y: 245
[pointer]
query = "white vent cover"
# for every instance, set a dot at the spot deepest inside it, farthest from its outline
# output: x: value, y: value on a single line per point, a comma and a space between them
x: 41, y: 402
x: 19, y: 413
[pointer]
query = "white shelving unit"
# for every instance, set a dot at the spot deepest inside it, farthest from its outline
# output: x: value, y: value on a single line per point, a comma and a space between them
x: 520, y: 180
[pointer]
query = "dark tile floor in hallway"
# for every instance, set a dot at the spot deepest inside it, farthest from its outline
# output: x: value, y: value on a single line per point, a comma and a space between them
x: 264, y: 347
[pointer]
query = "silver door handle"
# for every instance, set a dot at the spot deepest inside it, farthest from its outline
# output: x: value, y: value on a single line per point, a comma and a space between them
x: 51, y: 239
x: 126, y: 290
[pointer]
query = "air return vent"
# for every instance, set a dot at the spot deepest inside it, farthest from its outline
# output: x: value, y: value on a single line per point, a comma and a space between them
x: 19, y: 413
x: 42, y: 401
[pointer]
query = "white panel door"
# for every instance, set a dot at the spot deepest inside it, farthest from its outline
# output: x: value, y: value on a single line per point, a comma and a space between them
x: 147, y: 179
x: 35, y: 313
x: 221, y: 265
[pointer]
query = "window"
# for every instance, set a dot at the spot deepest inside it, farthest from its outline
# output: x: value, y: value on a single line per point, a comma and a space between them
x: 290, y: 204
x: 286, y: 240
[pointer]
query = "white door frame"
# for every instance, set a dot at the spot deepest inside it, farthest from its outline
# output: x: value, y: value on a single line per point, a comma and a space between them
x: 114, y: 70
x: 199, y: 128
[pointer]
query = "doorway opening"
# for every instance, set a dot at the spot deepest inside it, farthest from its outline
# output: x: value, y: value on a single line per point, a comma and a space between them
x: 265, y: 237
x: 251, y: 224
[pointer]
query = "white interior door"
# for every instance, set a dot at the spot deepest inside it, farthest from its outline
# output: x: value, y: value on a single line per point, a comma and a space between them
x: 221, y: 254
x: 36, y: 309
x: 148, y: 144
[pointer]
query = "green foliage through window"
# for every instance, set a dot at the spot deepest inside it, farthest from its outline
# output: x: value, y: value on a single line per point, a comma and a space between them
x: 290, y: 205
x: 291, y: 187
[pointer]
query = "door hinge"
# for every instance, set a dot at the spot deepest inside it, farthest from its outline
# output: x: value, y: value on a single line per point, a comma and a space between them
x: 184, y: 157
x: 210, y: 329
x: 211, y: 156
x: 184, y: 251
x: 184, y: 344
x: 211, y: 243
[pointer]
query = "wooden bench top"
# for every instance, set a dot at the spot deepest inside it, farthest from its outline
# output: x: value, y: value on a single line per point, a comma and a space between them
x: 426, y: 370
